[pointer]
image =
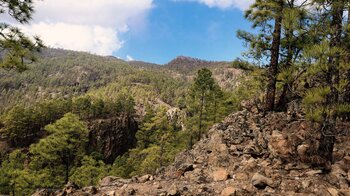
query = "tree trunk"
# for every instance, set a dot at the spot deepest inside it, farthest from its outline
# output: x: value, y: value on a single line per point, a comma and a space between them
x: 325, y: 149
x: 273, y: 67
x: 67, y: 174
x: 190, y: 144
x: 215, y: 108
x: 333, y: 62
x: 347, y: 60
x: 13, y: 190
x: 200, y: 117
x: 161, y: 152
x: 286, y: 92
x: 283, y: 100
x: 347, y: 91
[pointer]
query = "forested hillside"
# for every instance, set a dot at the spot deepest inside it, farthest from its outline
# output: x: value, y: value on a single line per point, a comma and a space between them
x: 130, y: 114
x: 64, y: 74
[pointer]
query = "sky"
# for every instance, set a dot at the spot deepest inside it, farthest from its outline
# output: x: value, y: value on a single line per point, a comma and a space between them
x: 148, y: 30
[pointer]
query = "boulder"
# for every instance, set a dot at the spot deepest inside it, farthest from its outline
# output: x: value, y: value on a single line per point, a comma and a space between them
x: 145, y: 178
x: 333, y: 191
x: 345, y: 192
x: 107, y: 180
x: 313, y: 172
x: 220, y: 174
x: 302, y: 150
x: 183, y: 169
x: 306, y: 184
x: 113, y: 181
x: 110, y: 193
x: 90, y: 190
x: 261, y: 182
x: 241, y: 176
x: 173, y: 191
x: 228, y: 191
x: 279, y: 146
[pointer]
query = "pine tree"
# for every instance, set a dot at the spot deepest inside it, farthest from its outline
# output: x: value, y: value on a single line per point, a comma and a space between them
x: 274, y: 63
x: 17, y: 48
x: 199, y: 95
x: 204, y: 104
x: 54, y: 157
x: 326, y: 83
x: 157, y: 144
x: 124, y: 102
x: 14, y: 178
x: 19, y: 125
x: 217, y: 99
x: 283, y: 33
x: 296, y: 35
x: 82, y: 106
x: 262, y: 13
x: 346, y: 96
x: 333, y: 78
x: 89, y: 173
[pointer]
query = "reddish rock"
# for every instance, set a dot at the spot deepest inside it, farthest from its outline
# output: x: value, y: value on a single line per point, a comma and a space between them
x: 228, y: 191
x: 220, y: 174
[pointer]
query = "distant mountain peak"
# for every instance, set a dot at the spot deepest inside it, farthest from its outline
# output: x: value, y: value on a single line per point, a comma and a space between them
x: 187, y: 59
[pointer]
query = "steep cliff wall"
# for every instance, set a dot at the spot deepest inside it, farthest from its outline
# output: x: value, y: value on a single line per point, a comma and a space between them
x: 112, y: 137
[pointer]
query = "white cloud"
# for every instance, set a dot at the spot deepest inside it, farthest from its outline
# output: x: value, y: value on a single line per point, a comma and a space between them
x: 129, y: 58
x: 87, y: 25
x: 225, y: 4
x: 94, y: 39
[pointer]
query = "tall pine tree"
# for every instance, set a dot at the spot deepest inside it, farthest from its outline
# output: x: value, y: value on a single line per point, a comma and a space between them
x: 282, y: 34
x: 327, y: 83
x: 204, y: 103
x: 54, y: 157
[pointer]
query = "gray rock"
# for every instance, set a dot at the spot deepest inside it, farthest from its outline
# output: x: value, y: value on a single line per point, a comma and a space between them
x: 261, y: 182
x: 144, y: 178
x: 90, y: 190
x: 173, y: 191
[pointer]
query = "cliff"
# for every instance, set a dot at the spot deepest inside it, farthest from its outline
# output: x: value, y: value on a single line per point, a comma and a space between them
x: 112, y: 137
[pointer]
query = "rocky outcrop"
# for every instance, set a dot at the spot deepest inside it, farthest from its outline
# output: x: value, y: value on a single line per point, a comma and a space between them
x: 112, y: 137
x: 247, y: 154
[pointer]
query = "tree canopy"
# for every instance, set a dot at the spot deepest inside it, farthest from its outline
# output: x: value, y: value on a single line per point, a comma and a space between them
x: 17, y: 49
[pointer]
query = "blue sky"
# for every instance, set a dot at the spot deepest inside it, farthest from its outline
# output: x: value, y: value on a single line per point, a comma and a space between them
x: 149, y: 30
x: 186, y: 28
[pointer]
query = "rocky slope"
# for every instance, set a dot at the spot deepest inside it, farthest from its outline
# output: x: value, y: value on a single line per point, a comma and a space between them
x: 247, y: 154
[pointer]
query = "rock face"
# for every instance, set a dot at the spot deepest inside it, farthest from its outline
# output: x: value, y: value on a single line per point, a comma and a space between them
x: 247, y: 154
x: 112, y: 137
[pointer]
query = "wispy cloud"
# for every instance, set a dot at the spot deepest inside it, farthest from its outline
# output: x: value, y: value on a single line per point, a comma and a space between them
x: 225, y: 4
x: 87, y: 25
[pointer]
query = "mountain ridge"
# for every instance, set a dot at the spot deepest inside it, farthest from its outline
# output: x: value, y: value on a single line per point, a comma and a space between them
x: 60, y: 73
